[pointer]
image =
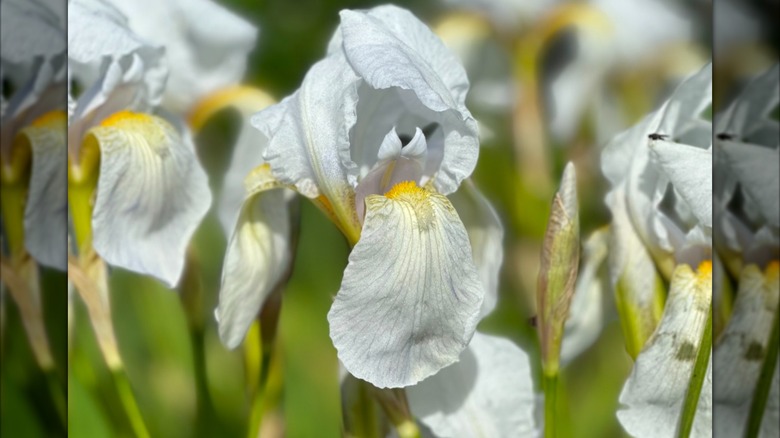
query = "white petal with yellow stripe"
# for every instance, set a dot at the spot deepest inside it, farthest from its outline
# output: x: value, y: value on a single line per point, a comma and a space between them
x: 151, y: 195
x: 258, y: 255
x: 411, y: 295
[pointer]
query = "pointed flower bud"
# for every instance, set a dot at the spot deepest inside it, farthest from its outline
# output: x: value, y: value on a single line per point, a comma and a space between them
x: 558, y: 272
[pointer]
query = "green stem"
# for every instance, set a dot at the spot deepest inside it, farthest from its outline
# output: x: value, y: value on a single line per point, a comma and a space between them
x: 697, y: 379
x: 192, y: 297
x: 57, y: 396
x: 550, y: 385
x: 205, y: 406
x: 129, y: 404
x: 396, y: 406
x: 761, y: 394
x: 253, y: 361
x: 363, y: 414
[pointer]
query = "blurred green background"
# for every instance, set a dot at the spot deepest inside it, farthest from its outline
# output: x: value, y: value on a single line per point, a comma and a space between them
x: 152, y: 326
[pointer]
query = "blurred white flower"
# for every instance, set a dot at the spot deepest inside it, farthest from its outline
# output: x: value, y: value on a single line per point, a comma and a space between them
x: 206, y: 51
x: 151, y: 191
x: 575, y: 45
x: 592, y: 306
x: 377, y: 136
x: 206, y: 45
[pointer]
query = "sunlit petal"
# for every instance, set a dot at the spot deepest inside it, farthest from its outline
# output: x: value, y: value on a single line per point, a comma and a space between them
x: 309, y: 143
x: 411, y: 295
x: 390, y: 49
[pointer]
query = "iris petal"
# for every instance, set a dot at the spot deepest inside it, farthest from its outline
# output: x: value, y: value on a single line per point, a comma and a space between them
x: 151, y: 195
x: 411, y: 295
x: 258, y: 256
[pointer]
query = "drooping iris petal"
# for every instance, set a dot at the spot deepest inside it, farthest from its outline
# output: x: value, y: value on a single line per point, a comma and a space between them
x: 411, y: 295
x: 206, y: 45
x: 488, y: 393
x: 151, y: 195
x: 46, y: 211
x: 258, y: 256
x: 393, y: 52
x: 652, y: 397
x: 486, y: 235
x: 741, y: 349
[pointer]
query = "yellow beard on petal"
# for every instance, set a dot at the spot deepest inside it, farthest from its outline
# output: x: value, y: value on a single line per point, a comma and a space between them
x: 418, y: 198
x: 125, y: 116
x: 705, y: 269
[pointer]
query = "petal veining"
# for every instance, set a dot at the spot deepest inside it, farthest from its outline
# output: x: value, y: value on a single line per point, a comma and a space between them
x: 411, y: 295
x: 151, y: 195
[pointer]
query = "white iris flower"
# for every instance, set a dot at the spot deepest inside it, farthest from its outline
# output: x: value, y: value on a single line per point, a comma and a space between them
x: 206, y: 46
x: 206, y: 50
x: 151, y: 191
x: 661, y: 172
x: 377, y: 136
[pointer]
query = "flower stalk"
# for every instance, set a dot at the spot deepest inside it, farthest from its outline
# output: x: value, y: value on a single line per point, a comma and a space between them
x: 555, y: 288
x: 20, y: 272
x: 697, y: 379
x: 396, y: 406
x: 89, y: 274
